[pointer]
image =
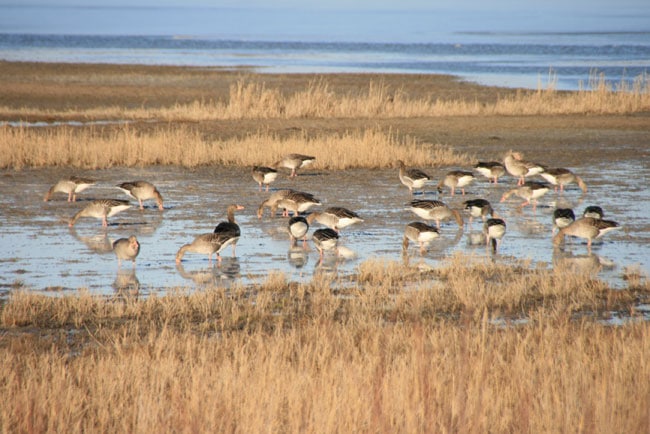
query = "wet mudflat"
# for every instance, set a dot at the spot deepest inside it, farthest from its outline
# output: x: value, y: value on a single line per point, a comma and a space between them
x: 40, y: 252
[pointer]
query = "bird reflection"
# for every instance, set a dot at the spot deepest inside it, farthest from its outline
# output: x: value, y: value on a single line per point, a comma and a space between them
x: 126, y: 282
x: 98, y: 243
x: 212, y: 275
x: 590, y: 263
x: 297, y: 256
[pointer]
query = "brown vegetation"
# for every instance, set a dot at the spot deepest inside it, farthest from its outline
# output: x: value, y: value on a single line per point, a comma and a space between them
x: 282, y: 357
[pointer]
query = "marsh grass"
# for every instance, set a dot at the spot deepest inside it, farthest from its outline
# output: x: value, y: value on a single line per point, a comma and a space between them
x: 168, y: 145
x: 373, y: 357
x: 254, y: 100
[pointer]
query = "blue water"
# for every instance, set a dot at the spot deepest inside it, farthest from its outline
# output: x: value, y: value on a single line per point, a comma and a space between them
x: 518, y: 48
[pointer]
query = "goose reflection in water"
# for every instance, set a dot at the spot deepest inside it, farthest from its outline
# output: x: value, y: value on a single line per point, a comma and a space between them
x: 297, y: 256
x: 97, y: 242
x: 590, y: 263
x: 211, y: 275
x: 126, y: 282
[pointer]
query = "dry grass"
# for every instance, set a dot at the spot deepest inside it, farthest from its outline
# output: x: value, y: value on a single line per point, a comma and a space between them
x: 283, y: 357
x: 254, y: 100
x: 169, y: 145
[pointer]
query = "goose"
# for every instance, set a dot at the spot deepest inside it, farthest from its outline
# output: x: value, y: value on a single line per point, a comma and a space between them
x: 412, y: 178
x: 296, y: 201
x: 494, y: 230
x: 141, y: 191
x: 126, y: 249
x: 434, y: 210
x: 420, y: 233
x: 298, y: 227
x: 492, y: 170
x: 71, y: 186
x: 478, y: 208
x: 335, y: 218
x: 101, y: 209
x: 272, y: 202
x: 586, y: 227
x: 264, y: 176
x: 456, y: 179
x: 207, y: 244
x: 562, y: 217
x: 530, y: 190
x: 520, y: 168
x: 325, y: 239
x: 561, y: 177
x: 229, y: 230
x: 295, y: 162
x: 593, y: 211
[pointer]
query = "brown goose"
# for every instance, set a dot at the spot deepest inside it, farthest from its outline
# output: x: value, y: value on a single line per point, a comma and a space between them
x: 101, y: 209
x: 561, y: 177
x: 456, y: 179
x: 531, y: 191
x: 492, y: 170
x: 126, y: 249
x: 298, y: 227
x: 335, y: 218
x: 296, y: 201
x: 295, y: 162
x: 207, y: 244
x: 325, y: 239
x: 420, y: 233
x: 71, y: 186
x: 264, y: 176
x: 494, y: 230
x: 412, y: 178
x: 520, y: 168
x: 272, y: 202
x: 586, y: 227
x: 229, y: 230
x: 141, y: 191
x: 434, y: 210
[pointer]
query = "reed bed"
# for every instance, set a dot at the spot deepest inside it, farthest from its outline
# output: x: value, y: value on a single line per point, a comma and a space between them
x: 387, y: 352
x: 254, y: 100
x: 96, y: 148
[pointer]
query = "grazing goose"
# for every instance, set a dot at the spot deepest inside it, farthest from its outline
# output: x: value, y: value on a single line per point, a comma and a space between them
x: 264, y: 176
x: 492, y: 170
x: 456, y: 179
x: 296, y: 201
x: 586, y: 227
x: 562, y: 217
x: 141, y: 191
x: 561, y: 177
x: 434, y: 210
x: 325, y: 239
x: 420, y: 233
x: 335, y: 218
x: 593, y: 211
x: 478, y: 208
x: 71, y: 186
x: 412, y: 178
x: 101, y: 209
x: 531, y: 191
x: 298, y: 227
x: 272, y: 202
x: 126, y: 249
x: 494, y: 230
x: 520, y: 168
x: 295, y: 162
x: 206, y: 244
x: 229, y: 230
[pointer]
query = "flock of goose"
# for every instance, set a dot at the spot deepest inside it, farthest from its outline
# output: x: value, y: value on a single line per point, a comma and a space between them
x: 296, y: 203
